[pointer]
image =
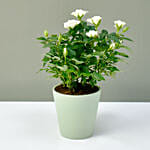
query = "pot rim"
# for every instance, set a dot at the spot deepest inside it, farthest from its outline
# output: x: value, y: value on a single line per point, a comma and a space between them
x: 99, y: 91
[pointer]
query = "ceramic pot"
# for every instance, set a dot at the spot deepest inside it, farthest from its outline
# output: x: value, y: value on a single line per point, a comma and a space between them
x: 76, y: 114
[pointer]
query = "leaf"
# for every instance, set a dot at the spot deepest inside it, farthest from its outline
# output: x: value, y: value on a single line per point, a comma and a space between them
x: 48, y: 56
x: 41, y: 38
x: 44, y: 63
x: 56, y: 57
x: 89, y: 27
x: 113, y: 68
x: 103, y: 34
x: 71, y: 52
x: 54, y: 36
x: 84, y: 69
x: 92, y: 60
x: 74, y: 66
x: 126, y: 47
x: 52, y: 39
x: 63, y: 68
x: 92, y: 82
x: 46, y: 45
x: 77, y: 61
x: 128, y: 39
x: 86, y: 74
x: 97, y: 53
x: 122, y: 54
x: 45, y: 59
x: 43, y: 42
x: 125, y: 29
x: 98, y: 76
x: 113, y: 34
x: 55, y: 75
x: 104, y: 31
x: 115, y: 39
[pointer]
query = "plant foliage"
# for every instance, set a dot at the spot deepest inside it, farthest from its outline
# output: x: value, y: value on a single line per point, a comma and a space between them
x: 76, y: 58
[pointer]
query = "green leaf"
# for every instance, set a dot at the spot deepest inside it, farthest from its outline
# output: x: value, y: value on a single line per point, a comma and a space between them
x: 71, y: 52
x: 46, y: 45
x: 44, y: 63
x: 128, y: 39
x: 86, y: 74
x: 114, y: 37
x: 84, y: 69
x: 48, y: 56
x: 74, y: 66
x: 55, y: 76
x: 103, y: 34
x: 113, y: 68
x: 92, y: 82
x: 56, y: 57
x: 54, y: 35
x: 97, y: 53
x: 41, y: 38
x: 98, y: 76
x: 52, y: 39
x: 125, y: 29
x: 45, y: 59
x: 43, y: 42
x: 77, y: 61
x: 92, y: 60
x: 104, y: 31
x: 63, y: 68
x: 122, y: 54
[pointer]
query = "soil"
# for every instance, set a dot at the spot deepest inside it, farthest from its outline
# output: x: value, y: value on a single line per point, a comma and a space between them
x: 81, y: 90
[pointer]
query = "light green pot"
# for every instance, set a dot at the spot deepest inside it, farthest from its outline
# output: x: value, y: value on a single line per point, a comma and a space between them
x: 76, y: 114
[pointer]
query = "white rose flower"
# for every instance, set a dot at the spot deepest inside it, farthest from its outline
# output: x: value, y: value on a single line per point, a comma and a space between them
x: 112, y: 45
x: 94, y: 20
x: 71, y: 24
x: 79, y: 13
x: 92, y: 33
x: 119, y: 23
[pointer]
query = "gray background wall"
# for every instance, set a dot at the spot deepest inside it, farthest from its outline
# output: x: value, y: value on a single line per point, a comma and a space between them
x: 21, y: 21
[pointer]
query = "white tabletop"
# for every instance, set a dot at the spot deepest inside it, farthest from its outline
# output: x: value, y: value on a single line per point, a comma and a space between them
x: 33, y: 126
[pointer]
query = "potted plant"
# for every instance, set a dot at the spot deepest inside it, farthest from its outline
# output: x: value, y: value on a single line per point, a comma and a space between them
x: 80, y: 58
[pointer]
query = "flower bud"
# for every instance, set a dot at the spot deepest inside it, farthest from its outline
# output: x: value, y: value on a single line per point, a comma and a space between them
x: 112, y: 45
x: 65, y: 52
x: 46, y: 33
x: 59, y: 38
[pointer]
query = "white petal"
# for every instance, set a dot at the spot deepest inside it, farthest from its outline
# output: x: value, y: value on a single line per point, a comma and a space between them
x: 71, y: 24
x: 92, y: 33
x: 119, y: 23
x: 94, y: 20
x: 89, y: 20
x: 79, y: 13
